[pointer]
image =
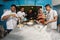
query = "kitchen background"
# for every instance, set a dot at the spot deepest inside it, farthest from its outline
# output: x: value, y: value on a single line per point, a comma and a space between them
x: 5, y: 5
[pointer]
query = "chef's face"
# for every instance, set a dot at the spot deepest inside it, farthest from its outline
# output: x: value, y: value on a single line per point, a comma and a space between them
x: 48, y: 8
x: 30, y: 11
x: 13, y: 8
x: 22, y: 9
x: 40, y: 10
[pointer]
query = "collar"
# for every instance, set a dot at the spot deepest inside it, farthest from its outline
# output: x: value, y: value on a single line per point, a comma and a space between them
x: 50, y: 11
x: 13, y: 12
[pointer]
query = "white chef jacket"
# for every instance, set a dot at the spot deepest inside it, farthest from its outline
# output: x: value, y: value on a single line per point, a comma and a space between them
x: 11, y: 21
x: 50, y: 16
x: 21, y: 14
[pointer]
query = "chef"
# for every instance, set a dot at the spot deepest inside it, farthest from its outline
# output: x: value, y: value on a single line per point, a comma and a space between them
x: 51, y: 18
x: 11, y: 18
x: 41, y: 16
x: 21, y: 14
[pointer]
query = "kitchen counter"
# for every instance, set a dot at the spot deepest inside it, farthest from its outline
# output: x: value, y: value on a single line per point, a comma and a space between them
x: 32, y: 33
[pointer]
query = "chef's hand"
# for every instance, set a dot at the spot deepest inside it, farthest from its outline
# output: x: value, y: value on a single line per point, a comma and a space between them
x: 37, y: 22
x: 46, y: 23
x: 13, y: 15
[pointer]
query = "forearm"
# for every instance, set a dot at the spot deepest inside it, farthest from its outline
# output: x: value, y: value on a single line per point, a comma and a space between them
x: 53, y: 20
x: 5, y: 17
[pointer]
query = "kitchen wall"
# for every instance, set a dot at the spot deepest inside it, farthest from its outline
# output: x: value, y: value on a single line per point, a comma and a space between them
x: 55, y: 2
x: 57, y: 8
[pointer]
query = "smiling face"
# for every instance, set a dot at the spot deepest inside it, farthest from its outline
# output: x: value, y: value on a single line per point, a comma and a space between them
x: 40, y: 10
x: 13, y: 9
x: 22, y: 9
x: 48, y: 8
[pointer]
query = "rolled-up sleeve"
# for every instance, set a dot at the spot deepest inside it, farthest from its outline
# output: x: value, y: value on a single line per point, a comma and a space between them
x: 4, y: 14
x: 55, y: 13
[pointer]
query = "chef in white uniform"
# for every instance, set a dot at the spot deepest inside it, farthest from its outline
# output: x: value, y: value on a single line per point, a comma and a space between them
x: 11, y: 18
x: 51, y: 18
x: 21, y: 14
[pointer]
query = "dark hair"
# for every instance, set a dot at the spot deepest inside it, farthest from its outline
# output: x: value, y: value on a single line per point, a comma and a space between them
x: 13, y: 5
x: 47, y: 5
x: 21, y: 7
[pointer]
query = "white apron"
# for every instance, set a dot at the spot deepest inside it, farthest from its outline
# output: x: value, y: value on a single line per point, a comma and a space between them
x: 11, y: 21
x: 50, y: 16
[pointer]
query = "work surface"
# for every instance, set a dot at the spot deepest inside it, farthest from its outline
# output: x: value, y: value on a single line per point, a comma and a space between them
x: 32, y: 33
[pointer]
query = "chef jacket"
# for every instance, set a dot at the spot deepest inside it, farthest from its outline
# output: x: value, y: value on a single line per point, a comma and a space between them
x: 50, y: 16
x: 11, y: 21
x: 21, y: 14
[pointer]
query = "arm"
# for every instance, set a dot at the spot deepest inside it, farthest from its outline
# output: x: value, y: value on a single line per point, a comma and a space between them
x: 5, y: 17
x: 53, y: 20
x: 14, y: 15
x: 55, y: 17
x: 43, y: 16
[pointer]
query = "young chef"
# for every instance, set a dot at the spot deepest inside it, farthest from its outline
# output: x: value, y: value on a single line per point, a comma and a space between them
x: 51, y: 17
x: 41, y: 16
x: 11, y: 18
x: 30, y: 14
x: 21, y: 14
